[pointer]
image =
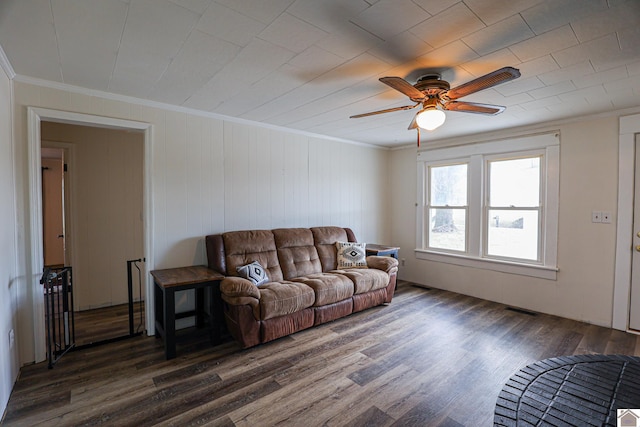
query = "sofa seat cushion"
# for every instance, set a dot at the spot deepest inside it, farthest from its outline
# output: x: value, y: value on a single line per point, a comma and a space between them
x: 329, y: 288
x: 365, y: 279
x: 280, y: 298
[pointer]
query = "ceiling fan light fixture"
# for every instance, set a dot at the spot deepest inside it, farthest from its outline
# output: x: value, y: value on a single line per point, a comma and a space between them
x: 430, y: 118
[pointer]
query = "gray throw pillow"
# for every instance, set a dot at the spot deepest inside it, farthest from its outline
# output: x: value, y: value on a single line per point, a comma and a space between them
x: 253, y: 272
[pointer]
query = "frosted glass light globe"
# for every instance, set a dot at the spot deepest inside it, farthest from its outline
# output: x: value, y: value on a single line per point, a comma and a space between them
x: 430, y: 119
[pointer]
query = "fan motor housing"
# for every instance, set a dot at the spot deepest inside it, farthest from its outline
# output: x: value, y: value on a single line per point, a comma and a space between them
x: 431, y: 84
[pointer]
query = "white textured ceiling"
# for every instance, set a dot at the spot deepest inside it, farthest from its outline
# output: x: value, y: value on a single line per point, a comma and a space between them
x: 310, y: 64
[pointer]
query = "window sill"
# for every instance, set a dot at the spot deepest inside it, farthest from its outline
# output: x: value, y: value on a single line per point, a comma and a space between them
x: 539, y: 271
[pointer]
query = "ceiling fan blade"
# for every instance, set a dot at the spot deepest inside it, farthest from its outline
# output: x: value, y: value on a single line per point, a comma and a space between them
x: 388, y: 110
x: 401, y: 85
x: 472, y: 107
x: 494, y: 78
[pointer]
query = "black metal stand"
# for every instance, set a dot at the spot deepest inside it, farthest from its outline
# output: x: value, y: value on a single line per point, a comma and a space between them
x: 134, y: 262
x: 58, y: 312
x: 132, y: 330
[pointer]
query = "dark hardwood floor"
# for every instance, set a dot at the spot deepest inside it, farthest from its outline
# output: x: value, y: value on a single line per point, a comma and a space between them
x: 430, y: 358
x: 107, y: 323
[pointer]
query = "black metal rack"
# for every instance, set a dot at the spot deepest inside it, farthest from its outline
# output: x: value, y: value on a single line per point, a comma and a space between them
x: 59, y: 316
x: 60, y: 321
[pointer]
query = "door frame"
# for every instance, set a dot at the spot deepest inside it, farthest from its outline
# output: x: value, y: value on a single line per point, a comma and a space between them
x: 35, y: 116
x: 629, y: 127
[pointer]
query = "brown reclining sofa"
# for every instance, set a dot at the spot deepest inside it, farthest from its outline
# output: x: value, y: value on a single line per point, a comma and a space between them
x: 304, y: 288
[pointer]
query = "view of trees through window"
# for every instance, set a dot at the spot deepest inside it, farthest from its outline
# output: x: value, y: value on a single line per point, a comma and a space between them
x: 448, y: 207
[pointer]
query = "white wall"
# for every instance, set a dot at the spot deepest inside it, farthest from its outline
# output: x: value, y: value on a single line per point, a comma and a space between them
x: 211, y: 175
x: 105, y: 178
x: 9, y: 280
x: 586, y: 251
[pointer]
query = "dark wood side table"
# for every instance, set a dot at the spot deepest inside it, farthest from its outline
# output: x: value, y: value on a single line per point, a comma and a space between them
x: 169, y: 281
x: 381, y: 250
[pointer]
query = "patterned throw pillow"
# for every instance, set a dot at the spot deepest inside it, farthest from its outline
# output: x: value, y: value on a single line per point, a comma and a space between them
x: 253, y: 272
x: 351, y: 255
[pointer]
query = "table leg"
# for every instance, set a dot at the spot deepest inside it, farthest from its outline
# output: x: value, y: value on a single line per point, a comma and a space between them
x: 199, y: 307
x: 169, y: 324
x: 158, y: 295
x: 216, y: 314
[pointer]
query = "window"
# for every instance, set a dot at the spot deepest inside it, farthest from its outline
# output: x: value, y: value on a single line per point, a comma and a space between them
x: 448, y: 207
x: 513, y: 210
x: 492, y: 205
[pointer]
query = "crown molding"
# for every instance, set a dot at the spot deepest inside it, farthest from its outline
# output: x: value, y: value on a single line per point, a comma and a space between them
x: 179, y: 109
x: 6, y: 65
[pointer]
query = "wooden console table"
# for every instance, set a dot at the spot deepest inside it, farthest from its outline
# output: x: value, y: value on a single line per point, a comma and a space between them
x: 167, y: 283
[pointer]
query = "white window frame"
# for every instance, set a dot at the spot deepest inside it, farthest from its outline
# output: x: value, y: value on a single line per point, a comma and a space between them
x: 476, y: 156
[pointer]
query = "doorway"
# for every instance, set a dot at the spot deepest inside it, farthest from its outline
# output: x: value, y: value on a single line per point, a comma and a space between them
x: 626, y: 238
x: 105, y: 224
x: 36, y: 116
x: 634, y: 305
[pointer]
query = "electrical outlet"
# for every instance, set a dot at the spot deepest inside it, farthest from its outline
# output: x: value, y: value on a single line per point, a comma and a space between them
x: 606, y: 217
x: 596, y: 216
x: 12, y: 338
x: 402, y: 262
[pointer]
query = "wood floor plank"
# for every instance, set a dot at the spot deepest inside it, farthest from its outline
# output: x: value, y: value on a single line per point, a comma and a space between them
x: 430, y: 358
x: 372, y: 417
x: 392, y: 388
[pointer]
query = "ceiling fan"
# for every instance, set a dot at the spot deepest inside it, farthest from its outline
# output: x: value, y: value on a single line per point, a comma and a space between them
x: 435, y: 95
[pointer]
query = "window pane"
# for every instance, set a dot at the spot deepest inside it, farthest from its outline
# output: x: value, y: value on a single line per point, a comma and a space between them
x: 448, y: 185
x: 447, y: 229
x: 515, y: 182
x: 513, y: 234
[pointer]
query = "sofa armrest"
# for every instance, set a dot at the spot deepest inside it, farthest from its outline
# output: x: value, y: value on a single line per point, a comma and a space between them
x: 238, y: 287
x: 384, y: 263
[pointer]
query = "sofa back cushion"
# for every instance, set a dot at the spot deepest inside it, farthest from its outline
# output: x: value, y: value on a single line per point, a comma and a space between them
x: 296, y: 252
x: 325, y: 239
x: 244, y: 247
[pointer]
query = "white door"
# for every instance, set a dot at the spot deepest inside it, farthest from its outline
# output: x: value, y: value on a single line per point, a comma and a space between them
x: 53, y: 211
x: 634, y: 307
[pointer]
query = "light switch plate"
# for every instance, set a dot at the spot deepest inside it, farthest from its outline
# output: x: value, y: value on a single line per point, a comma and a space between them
x: 596, y: 216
